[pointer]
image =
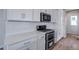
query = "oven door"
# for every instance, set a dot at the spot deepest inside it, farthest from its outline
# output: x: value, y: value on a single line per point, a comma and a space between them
x: 50, y: 44
x: 50, y: 36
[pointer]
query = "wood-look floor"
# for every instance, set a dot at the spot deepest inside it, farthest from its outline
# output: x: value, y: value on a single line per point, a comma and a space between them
x: 71, y: 42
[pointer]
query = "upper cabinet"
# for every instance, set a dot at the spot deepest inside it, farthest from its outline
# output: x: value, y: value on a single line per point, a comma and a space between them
x: 30, y: 14
x: 48, y: 11
x: 19, y: 14
x: 54, y: 15
x: 36, y: 15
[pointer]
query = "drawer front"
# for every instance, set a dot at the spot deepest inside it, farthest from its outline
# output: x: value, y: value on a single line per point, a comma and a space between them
x: 20, y: 45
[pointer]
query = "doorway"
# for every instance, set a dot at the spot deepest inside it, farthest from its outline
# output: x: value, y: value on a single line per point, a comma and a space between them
x: 72, y: 25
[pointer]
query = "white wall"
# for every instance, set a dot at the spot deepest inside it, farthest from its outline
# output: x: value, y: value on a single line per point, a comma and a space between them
x: 61, y: 25
x: 2, y: 26
x: 21, y: 27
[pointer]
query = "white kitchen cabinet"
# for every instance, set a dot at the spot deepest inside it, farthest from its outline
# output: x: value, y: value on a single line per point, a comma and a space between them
x: 48, y: 11
x: 24, y: 45
x: 41, y: 42
x: 30, y: 14
x: 34, y: 43
x: 36, y: 15
x: 20, y: 46
x: 19, y: 14
x: 54, y: 15
x: 44, y: 10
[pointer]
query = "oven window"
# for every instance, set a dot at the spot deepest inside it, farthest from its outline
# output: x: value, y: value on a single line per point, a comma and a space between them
x: 50, y: 44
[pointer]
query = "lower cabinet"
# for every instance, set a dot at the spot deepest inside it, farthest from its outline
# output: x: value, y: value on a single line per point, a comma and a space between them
x: 24, y: 45
x: 34, y: 43
x: 41, y: 42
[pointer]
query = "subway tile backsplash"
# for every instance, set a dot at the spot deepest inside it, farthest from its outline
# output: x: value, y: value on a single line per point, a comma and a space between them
x: 21, y: 27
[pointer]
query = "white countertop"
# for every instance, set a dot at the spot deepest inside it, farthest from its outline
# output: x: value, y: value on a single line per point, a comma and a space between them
x: 19, y: 37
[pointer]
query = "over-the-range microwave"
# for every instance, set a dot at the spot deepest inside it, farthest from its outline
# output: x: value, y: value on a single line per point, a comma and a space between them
x: 44, y: 17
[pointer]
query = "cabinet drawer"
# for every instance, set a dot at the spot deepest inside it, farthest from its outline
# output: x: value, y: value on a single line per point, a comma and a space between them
x: 20, y: 45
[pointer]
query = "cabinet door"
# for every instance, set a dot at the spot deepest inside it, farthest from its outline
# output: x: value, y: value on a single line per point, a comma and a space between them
x: 36, y: 15
x: 41, y: 42
x: 49, y: 11
x: 19, y: 14
x: 30, y: 44
x: 43, y: 10
x: 54, y: 15
x: 34, y: 44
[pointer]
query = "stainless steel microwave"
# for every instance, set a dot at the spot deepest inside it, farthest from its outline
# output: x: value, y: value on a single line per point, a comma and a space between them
x: 44, y: 17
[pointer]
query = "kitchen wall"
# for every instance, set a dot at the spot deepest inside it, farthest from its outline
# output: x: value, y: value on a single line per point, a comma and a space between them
x: 2, y: 27
x: 12, y: 28
x: 21, y: 27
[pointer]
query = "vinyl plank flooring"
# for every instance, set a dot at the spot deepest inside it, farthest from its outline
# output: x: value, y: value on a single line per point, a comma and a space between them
x: 68, y: 43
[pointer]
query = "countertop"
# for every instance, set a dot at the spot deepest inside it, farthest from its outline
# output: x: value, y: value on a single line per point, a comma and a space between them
x: 23, y: 36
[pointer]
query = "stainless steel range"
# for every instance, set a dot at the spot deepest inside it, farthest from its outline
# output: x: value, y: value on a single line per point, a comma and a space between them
x: 49, y: 36
x: 49, y: 40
